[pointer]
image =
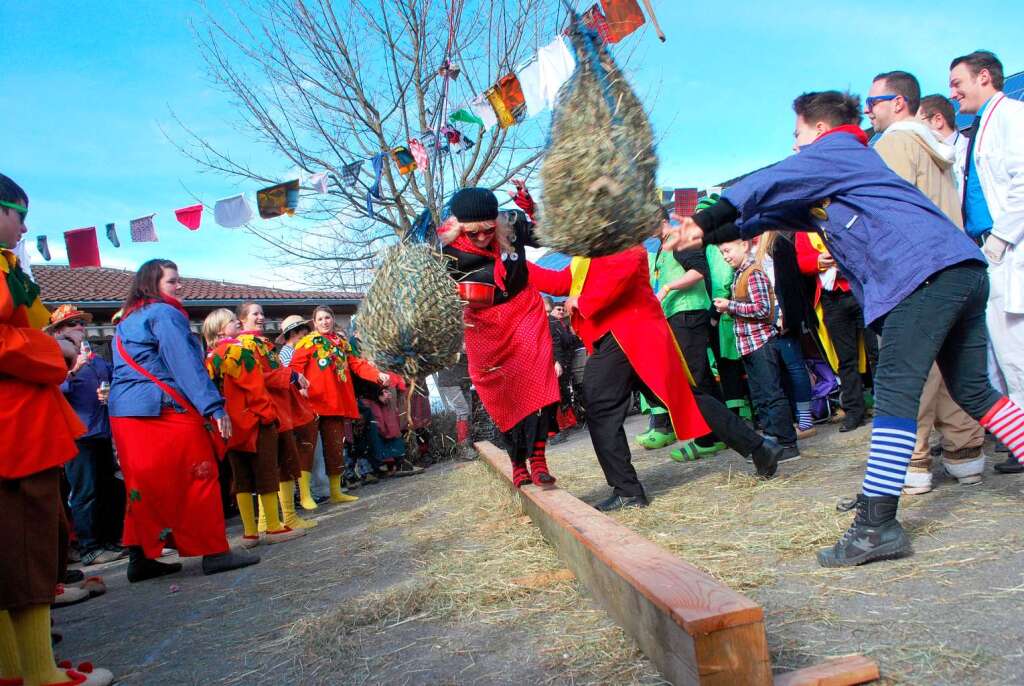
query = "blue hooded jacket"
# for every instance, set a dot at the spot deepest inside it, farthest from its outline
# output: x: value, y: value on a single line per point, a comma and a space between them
x: 886, y: 236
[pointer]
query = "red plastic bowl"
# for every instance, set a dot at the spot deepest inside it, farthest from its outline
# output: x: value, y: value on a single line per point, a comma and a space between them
x: 476, y: 294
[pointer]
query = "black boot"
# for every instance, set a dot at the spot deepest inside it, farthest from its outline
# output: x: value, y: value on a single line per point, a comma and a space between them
x: 618, y: 502
x: 874, y: 535
x: 141, y: 567
x: 1010, y: 466
x: 766, y: 458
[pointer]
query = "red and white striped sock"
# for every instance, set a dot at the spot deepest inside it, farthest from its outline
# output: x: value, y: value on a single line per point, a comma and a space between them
x: 1006, y: 422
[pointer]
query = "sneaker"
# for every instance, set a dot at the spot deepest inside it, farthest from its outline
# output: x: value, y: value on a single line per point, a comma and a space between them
x: 618, y: 502
x: 789, y: 453
x: 874, y: 535
x: 1010, y: 466
x: 99, y: 556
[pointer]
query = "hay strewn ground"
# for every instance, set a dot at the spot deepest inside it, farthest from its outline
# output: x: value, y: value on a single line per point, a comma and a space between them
x: 926, y: 619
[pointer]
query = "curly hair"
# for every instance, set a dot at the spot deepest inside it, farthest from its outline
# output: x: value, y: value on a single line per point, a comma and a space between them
x: 452, y: 227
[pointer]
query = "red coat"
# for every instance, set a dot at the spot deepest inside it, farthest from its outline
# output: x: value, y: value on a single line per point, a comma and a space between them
x: 37, y: 426
x: 617, y: 298
x: 240, y: 378
x: 292, y: 408
x: 328, y: 363
x: 807, y: 260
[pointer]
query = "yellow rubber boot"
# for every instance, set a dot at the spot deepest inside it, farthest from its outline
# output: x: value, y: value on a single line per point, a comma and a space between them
x: 336, y: 495
x: 306, y: 495
x: 276, y: 532
x: 261, y: 524
x: 247, y: 511
x: 286, y: 493
x: 10, y: 663
x: 35, y: 651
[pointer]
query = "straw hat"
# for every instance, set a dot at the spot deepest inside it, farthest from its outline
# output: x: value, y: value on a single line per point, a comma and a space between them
x: 290, y: 323
x: 67, y: 313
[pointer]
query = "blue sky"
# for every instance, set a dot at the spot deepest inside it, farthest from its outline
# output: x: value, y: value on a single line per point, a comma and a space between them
x: 88, y: 85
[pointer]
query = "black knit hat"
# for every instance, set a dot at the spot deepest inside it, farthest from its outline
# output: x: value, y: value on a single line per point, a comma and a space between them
x: 474, y: 205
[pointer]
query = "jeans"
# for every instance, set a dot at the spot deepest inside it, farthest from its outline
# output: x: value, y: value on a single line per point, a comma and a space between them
x: 796, y: 370
x: 943, y: 321
x: 764, y: 376
x: 93, y: 498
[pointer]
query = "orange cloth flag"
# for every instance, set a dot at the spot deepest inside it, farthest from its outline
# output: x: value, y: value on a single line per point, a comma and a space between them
x: 508, y: 100
x: 623, y: 17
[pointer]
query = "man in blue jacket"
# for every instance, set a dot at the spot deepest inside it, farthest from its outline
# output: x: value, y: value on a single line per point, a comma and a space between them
x: 921, y: 282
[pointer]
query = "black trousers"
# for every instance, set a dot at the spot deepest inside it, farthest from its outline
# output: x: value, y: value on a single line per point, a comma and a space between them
x: 692, y: 330
x: 609, y: 380
x: 845, y: 322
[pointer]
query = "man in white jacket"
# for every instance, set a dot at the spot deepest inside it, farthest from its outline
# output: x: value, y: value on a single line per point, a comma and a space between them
x: 912, y: 150
x: 993, y: 204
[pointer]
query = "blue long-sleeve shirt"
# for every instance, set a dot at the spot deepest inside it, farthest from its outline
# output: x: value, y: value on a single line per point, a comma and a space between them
x: 886, y: 236
x: 158, y: 338
x: 80, y: 391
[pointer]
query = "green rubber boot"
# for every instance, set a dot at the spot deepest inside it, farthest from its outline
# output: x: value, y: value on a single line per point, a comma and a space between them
x: 656, y: 439
x: 645, y: 436
x: 691, y: 451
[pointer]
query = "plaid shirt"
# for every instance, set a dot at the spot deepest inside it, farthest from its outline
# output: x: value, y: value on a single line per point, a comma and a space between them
x: 752, y: 319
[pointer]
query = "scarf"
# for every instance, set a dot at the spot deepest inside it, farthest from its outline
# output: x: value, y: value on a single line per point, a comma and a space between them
x: 463, y: 243
x: 857, y: 132
x: 166, y: 299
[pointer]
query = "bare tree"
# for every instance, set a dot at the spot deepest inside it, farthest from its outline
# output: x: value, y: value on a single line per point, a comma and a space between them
x: 326, y: 83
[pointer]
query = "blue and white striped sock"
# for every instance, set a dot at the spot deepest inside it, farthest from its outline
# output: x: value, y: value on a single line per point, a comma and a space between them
x: 892, y: 444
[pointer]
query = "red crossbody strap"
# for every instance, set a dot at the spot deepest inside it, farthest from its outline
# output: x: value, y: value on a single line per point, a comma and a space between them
x: 175, y: 396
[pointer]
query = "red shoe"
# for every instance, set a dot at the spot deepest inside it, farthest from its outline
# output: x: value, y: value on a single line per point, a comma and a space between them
x: 520, y: 476
x: 539, y: 468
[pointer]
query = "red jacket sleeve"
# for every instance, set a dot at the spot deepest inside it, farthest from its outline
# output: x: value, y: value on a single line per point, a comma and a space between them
x: 278, y: 379
x: 617, y: 272
x: 806, y: 255
x: 363, y: 369
x: 25, y: 353
x: 550, y: 281
x: 251, y: 386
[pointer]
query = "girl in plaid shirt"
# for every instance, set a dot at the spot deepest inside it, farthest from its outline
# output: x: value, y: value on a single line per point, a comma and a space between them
x: 753, y: 309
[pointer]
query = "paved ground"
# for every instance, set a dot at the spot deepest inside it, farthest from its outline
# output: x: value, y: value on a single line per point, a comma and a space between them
x: 417, y: 584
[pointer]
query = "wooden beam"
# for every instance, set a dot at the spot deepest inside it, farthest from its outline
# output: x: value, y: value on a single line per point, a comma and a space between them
x: 695, y: 629
x: 840, y: 671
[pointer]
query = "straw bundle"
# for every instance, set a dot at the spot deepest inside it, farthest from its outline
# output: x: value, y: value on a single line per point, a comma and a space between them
x: 599, y: 172
x: 410, y: 321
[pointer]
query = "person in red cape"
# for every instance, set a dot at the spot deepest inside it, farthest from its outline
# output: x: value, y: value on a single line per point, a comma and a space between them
x: 38, y: 429
x: 508, y: 345
x: 164, y: 410
x: 616, y: 314
x: 286, y: 388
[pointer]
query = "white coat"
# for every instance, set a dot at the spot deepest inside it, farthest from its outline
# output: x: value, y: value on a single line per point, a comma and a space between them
x: 999, y: 162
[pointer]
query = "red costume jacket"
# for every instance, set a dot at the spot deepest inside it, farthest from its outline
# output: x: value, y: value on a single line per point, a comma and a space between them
x: 328, y: 363
x: 292, y: 408
x: 616, y: 298
x: 240, y: 378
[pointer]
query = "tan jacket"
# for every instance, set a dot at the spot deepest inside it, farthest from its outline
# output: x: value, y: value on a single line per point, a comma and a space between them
x: 915, y: 153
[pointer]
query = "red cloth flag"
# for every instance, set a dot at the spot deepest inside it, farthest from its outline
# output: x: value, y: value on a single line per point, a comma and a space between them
x: 623, y: 17
x: 685, y: 201
x: 594, y: 20
x: 419, y: 153
x: 190, y: 216
x: 83, y: 248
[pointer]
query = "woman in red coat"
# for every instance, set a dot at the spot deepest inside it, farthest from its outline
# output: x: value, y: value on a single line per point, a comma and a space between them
x: 326, y: 359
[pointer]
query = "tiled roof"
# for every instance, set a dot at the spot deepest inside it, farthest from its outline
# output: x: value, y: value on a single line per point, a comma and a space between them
x: 97, y: 284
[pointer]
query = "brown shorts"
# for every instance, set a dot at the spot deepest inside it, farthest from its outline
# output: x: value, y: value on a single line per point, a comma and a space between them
x: 287, y: 456
x: 305, y: 442
x: 256, y: 472
x: 30, y: 539
x: 332, y: 431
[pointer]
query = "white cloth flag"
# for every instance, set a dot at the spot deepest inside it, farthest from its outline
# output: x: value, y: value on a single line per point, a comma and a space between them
x: 481, y: 107
x: 541, y: 79
x: 232, y: 212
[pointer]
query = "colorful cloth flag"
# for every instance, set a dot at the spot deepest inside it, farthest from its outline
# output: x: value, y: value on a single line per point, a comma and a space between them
x: 279, y: 199
x: 541, y: 79
x: 467, y: 117
x: 83, y: 249
x: 190, y: 217
x: 595, y: 20
x: 403, y: 159
x: 433, y: 143
x: 373, y: 192
x: 143, y: 230
x: 456, y: 141
x: 481, y: 106
x: 419, y: 153
x: 506, y: 97
x: 43, y: 246
x: 232, y: 212
x: 623, y: 17
x: 685, y: 201
x: 319, y: 182
x: 350, y: 173
x: 112, y: 235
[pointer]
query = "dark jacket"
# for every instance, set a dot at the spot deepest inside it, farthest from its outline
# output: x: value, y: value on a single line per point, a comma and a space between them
x: 789, y: 289
x: 564, y: 343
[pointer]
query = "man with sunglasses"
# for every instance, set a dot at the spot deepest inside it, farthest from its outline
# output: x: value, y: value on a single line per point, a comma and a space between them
x: 912, y: 150
x: 96, y: 497
x: 920, y: 279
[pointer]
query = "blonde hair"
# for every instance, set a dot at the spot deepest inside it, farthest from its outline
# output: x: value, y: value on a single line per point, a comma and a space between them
x: 215, y: 323
x: 764, y: 246
x: 452, y: 227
